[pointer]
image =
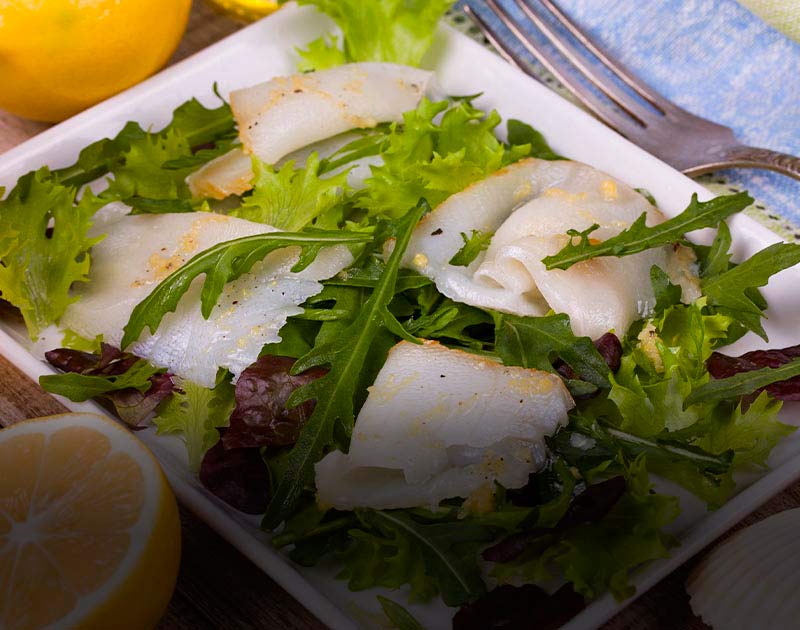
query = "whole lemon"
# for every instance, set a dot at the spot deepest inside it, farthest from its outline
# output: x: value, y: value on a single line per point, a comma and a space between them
x: 58, y: 57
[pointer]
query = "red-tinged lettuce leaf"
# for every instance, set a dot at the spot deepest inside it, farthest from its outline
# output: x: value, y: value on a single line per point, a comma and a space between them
x: 723, y: 366
x: 133, y: 393
x: 594, y: 503
x: 238, y: 476
x: 609, y: 347
x: 527, y: 606
x: 261, y: 417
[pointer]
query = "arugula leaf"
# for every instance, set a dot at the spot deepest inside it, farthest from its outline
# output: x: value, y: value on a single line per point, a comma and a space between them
x: 717, y: 259
x: 400, y: 31
x: 647, y: 195
x: 354, y: 357
x: 607, y: 442
x: 731, y: 291
x: 742, y: 384
x: 534, y: 342
x: 288, y: 198
x: 473, y: 246
x: 705, y: 474
x: 44, y: 247
x: 639, y: 237
x: 97, y: 159
x: 750, y: 433
x: 398, y: 616
x: 195, y: 413
x: 395, y: 549
x: 520, y: 133
x: 450, y: 320
x: 80, y: 387
x: 222, y: 264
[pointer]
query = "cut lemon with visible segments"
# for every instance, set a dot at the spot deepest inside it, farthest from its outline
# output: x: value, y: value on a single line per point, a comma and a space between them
x: 89, y: 529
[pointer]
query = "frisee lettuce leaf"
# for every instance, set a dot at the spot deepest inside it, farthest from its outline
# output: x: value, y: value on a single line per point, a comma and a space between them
x: 139, y: 176
x: 751, y: 432
x: 399, y: 31
x: 291, y: 198
x: 222, y: 264
x: 195, y: 123
x: 44, y: 247
x: 392, y: 548
x: 354, y: 357
x: 440, y: 149
x: 640, y: 237
x: 600, y: 556
x: 194, y: 413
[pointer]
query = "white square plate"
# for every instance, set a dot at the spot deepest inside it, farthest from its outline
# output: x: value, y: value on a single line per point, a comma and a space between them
x: 266, y: 49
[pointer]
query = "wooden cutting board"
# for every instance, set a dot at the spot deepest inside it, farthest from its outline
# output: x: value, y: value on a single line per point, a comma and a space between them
x: 217, y: 586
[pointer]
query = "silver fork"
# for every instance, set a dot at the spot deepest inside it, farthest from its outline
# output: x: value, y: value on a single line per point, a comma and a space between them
x: 691, y: 144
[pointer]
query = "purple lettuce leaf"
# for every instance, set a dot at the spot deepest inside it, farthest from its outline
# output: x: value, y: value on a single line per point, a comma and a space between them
x: 723, y: 366
x: 132, y: 406
x: 238, y: 476
x: 261, y: 417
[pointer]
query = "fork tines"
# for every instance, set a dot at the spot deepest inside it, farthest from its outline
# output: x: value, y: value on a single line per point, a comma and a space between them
x: 573, y: 69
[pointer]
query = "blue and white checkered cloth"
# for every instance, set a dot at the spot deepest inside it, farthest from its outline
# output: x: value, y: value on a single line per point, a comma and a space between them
x: 717, y: 60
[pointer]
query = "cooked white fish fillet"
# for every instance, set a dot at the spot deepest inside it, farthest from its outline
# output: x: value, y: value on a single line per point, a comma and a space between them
x: 228, y: 174
x: 284, y: 114
x: 442, y: 423
x: 142, y: 250
x: 528, y: 207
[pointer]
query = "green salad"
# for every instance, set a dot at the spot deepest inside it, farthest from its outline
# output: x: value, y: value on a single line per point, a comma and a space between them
x: 266, y: 305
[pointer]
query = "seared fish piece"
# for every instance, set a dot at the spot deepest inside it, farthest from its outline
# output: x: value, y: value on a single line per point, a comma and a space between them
x: 141, y: 250
x: 528, y: 208
x: 441, y: 423
x: 284, y: 114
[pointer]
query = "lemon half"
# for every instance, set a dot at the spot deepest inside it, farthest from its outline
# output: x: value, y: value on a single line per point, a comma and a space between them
x: 58, y: 57
x: 89, y: 528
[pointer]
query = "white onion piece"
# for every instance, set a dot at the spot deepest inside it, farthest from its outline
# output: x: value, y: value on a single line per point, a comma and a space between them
x: 752, y: 580
x: 529, y: 206
x: 442, y: 423
x: 142, y: 250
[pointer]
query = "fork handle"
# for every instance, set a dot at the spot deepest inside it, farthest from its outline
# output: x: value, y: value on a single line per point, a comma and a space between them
x: 753, y: 157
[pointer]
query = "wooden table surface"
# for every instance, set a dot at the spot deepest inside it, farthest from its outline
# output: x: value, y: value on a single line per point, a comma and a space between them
x: 217, y: 586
